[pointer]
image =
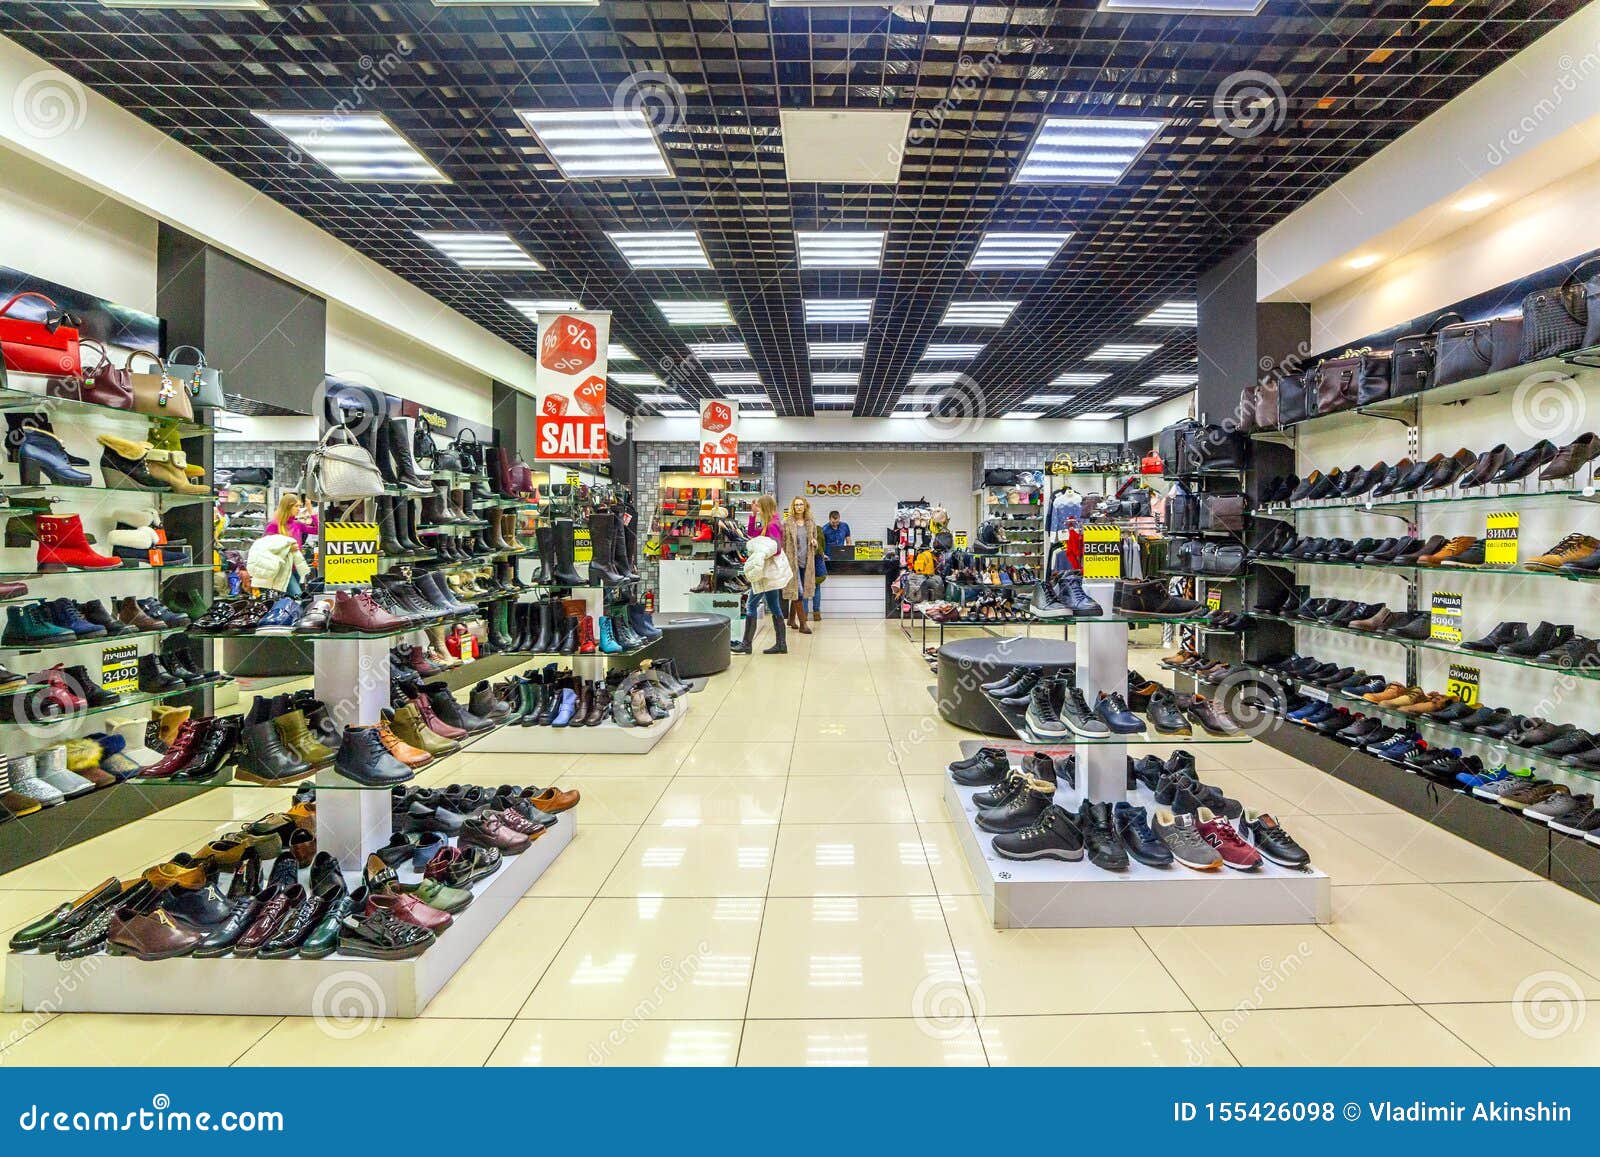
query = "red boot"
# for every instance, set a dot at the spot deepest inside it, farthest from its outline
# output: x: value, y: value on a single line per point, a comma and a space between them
x: 586, y: 640
x: 62, y: 545
x: 183, y: 748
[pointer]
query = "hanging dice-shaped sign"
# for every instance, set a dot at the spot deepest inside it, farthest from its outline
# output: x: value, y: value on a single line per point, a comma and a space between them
x: 719, y: 438
x: 570, y: 422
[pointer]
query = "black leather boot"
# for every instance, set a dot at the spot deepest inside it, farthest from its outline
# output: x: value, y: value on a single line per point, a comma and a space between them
x: 263, y: 758
x: 388, y: 534
x: 742, y: 647
x: 563, y: 571
x: 544, y: 540
x: 433, y: 507
x: 400, y: 433
x: 602, y: 538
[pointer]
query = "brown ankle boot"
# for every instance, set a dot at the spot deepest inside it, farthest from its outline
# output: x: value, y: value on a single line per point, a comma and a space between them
x: 797, y: 617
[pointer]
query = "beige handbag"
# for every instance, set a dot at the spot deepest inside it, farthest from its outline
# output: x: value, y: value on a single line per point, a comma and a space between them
x: 158, y: 394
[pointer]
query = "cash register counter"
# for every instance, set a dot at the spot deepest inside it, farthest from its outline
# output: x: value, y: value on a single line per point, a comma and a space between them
x: 853, y: 590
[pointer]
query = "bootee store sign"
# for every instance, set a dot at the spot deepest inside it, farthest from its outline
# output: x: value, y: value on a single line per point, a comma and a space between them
x: 719, y: 438
x: 570, y: 385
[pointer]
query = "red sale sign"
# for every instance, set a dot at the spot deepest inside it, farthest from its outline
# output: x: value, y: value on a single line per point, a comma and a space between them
x: 570, y: 385
x: 719, y: 438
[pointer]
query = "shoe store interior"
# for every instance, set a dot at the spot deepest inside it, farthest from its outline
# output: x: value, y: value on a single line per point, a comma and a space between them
x: 799, y: 534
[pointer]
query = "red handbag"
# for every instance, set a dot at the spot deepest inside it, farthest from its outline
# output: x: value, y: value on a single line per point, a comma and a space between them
x: 1151, y: 464
x: 48, y: 346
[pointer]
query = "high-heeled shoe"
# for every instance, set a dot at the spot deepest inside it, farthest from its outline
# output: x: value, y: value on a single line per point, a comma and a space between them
x: 41, y: 451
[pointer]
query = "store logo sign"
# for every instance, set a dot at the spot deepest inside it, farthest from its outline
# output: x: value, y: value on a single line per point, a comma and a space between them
x: 835, y: 489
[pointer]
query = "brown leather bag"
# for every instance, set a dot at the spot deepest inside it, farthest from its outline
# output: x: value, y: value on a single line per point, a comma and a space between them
x: 1267, y: 405
x: 159, y: 394
x: 1337, y: 384
x: 104, y: 385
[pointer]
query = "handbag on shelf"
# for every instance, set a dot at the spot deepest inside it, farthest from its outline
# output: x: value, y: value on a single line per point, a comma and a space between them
x: 1221, y: 559
x: 470, y: 450
x: 1222, y: 512
x: 1217, y: 448
x: 157, y: 394
x: 1591, y: 302
x: 1247, y: 407
x: 1187, y: 558
x: 1183, y: 510
x: 203, y: 382
x: 106, y: 384
x: 340, y: 469
x: 425, y: 449
x: 999, y: 477
x: 1267, y: 405
x: 1296, y: 402
x: 1151, y: 464
x: 1554, y: 321
x: 1357, y: 377
x: 48, y: 347
x: 1470, y: 349
x: 1414, y: 357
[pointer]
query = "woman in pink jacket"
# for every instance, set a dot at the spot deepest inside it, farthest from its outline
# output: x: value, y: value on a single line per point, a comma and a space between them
x: 764, y: 523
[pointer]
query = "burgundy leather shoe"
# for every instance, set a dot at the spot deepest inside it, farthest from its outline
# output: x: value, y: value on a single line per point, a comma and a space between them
x: 359, y: 611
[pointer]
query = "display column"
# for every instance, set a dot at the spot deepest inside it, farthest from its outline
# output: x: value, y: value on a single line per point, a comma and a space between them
x: 1101, y: 656
x: 352, y: 677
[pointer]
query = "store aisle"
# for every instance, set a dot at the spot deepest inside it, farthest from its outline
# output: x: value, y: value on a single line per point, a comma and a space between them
x: 778, y: 883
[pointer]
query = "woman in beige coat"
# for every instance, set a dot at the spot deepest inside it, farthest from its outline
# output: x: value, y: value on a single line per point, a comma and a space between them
x: 799, y: 543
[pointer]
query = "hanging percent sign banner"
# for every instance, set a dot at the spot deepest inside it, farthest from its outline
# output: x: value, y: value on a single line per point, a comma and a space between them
x: 570, y: 386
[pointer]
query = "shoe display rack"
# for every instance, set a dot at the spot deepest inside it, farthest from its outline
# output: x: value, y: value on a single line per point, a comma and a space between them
x: 1050, y: 893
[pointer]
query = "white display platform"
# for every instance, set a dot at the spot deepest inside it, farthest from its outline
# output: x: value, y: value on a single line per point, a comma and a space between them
x: 240, y: 986
x: 1063, y: 894
x: 607, y: 739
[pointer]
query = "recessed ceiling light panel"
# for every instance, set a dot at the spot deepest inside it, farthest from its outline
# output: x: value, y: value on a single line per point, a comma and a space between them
x: 1095, y: 417
x: 238, y: 5
x: 480, y: 250
x: 591, y: 144
x: 1084, y: 150
x: 361, y: 147
x: 1050, y: 399
x: 951, y: 351
x: 1172, y: 381
x: 1017, y: 250
x: 1084, y: 381
x: 842, y: 378
x: 531, y: 307
x: 1122, y: 352
x: 734, y: 378
x: 840, y: 250
x: 709, y: 313
x: 1130, y: 400
x: 617, y: 352
x: 720, y: 351
x: 1186, y: 7
x: 661, y: 250
x: 838, y: 311
x: 986, y: 313
x: 634, y: 378
x: 836, y: 350
x: 1174, y: 313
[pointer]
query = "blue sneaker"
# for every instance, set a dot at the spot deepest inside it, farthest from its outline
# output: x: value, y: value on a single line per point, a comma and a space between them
x: 1323, y: 712
x: 1398, y: 747
x: 282, y: 618
x: 1300, y: 713
x: 1493, y: 776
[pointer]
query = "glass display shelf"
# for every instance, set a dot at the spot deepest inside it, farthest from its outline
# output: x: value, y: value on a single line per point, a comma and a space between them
x: 415, y: 556
x: 1390, y: 505
x: 1131, y: 620
x: 1210, y: 578
x: 125, y: 568
x: 1016, y: 717
x: 1500, y: 752
x: 125, y: 700
x: 97, y: 640
x: 16, y: 491
x: 13, y: 400
x: 453, y: 527
x: 339, y: 636
x: 1454, y: 651
x: 1408, y: 409
x: 1447, y: 571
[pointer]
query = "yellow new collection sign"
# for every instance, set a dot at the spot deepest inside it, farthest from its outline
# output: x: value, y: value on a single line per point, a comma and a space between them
x: 349, y: 553
x: 1102, y: 552
x: 1500, y: 541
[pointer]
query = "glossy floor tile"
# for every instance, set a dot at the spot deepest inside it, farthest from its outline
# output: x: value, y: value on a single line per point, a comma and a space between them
x: 779, y: 882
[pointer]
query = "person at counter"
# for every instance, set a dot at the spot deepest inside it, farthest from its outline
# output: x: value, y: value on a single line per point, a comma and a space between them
x: 835, y: 533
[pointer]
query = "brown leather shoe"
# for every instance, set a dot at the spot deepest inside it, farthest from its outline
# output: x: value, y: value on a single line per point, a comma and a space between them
x: 1433, y: 701
x: 149, y: 935
x: 359, y: 611
x: 1406, y: 698
x: 412, y: 757
x: 1392, y: 691
x: 1572, y: 458
x: 1207, y: 714
x: 1569, y: 549
x: 552, y: 799
x: 488, y: 830
x: 1456, y: 546
x: 1382, y: 621
x: 406, y: 722
x: 131, y: 614
x: 175, y: 873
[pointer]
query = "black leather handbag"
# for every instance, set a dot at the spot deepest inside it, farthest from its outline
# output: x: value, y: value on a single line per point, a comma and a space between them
x: 1218, y: 559
x: 1216, y: 448
x: 1293, y: 403
x: 1187, y: 559
x: 1473, y: 348
x: 1222, y: 512
x: 1555, y: 321
x: 1183, y: 510
x: 470, y: 450
x: 1411, y: 369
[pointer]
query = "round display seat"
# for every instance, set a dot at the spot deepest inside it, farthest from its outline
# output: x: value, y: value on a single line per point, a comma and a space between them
x: 966, y: 664
x: 696, y: 641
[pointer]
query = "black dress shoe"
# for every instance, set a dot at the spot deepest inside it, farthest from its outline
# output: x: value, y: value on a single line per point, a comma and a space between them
x: 1446, y: 470
x: 1503, y: 635
x: 1488, y: 463
x: 1521, y: 465
x: 1391, y: 478
x: 1544, y: 637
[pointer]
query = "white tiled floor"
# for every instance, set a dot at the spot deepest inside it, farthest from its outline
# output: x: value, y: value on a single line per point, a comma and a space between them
x: 779, y: 883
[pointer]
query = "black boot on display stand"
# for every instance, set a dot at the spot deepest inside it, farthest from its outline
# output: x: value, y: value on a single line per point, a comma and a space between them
x: 544, y: 539
x: 540, y: 628
x: 399, y: 433
x: 564, y: 572
x: 619, y: 548
x: 602, y: 539
x: 370, y: 431
x: 570, y: 625
x: 627, y: 546
x: 405, y: 525
x: 532, y: 622
x: 388, y: 533
x: 743, y: 646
